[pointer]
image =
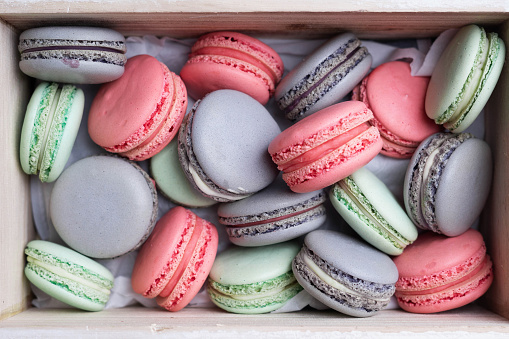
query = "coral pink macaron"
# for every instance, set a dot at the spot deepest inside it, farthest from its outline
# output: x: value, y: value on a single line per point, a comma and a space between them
x: 396, y: 99
x: 326, y: 146
x: 138, y: 114
x: 439, y: 273
x: 229, y: 60
x: 174, y: 262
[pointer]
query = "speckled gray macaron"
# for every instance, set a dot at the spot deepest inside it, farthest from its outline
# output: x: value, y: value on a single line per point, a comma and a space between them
x: 447, y: 182
x: 103, y: 206
x: 82, y: 55
x: 223, y: 145
x: 324, y: 77
x: 344, y: 273
x: 273, y: 215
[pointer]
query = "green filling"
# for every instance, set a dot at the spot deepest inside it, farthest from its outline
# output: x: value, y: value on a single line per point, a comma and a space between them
x: 72, y: 268
x: 70, y: 286
x: 258, y: 287
x: 444, y: 117
x: 384, y: 229
x: 40, y: 122
x: 57, y: 130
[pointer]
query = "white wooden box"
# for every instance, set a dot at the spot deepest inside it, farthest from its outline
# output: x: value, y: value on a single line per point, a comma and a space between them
x: 297, y: 18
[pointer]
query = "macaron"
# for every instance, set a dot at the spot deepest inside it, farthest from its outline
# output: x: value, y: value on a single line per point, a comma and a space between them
x: 273, y: 215
x: 326, y: 147
x: 67, y: 275
x: 439, y: 273
x: 230, y: 60
x: 223, y: 146
x: 175, y: 261
x: 396, y: 99
x: 324, y: 77
x: 138, y: 114
x: 51, y: 124
x: 464, y: 77
x: 344, y: 273
x: 370, y: 208
x: 171, y: 181
x: 103, y: 206
x: 72, y: 54
x: 447, y: 182
x: 254, y: 280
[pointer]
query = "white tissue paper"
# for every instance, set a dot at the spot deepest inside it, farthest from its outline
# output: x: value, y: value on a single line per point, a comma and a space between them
x: 174, y: 53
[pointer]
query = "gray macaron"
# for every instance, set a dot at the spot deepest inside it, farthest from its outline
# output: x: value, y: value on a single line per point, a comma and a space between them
x: 103, y: 206
x: 81, y: 55
x: 273, y: 215
x: 346, y: 274
x: 447, y: 182
x: 324, y: 77
x: 223, y: 145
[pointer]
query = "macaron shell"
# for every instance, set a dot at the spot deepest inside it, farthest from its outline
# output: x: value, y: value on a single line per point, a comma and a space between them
x: 73, y: 33
x: 463, y: 187
x: 103, y: 206
x: 240, y: 265
x: 397, y: 101
x: 352, y: 256
x: 238, y: 147
x: 171, y: 180
x: 143, y: 83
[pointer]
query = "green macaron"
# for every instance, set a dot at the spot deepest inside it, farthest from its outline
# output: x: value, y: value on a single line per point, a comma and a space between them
x: 370, y: 208
x: 464, y: 77
x: 51, y: 124
x: 67, y: 275
x: 253, y: 280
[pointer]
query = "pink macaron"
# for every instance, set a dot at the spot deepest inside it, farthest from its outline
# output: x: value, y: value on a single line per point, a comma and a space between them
x: 229, y: 60
x: 439, y: 273
x: 397, y: 101
x: 138, y: 114
x: 326, y: 147
x: 176, y: 259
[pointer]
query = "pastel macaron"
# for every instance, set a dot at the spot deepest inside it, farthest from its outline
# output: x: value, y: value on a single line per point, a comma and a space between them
x: 103, y: 206
x: 171, y: 181
x: 344, y: 273
x: 273, y: 215
x: 324, y: 77
x: 67, y: 275
x: 231, y: 60
x: 370, y: 208
x: 439, y: 273
x: 72, y: 54
x: 396, y: 99
x: 223, y: 146
x: 326, y: 147
x: 175, y: 261
x: 52, y: 120
x: 138, y: 114
x: 464, y: 77
x: 447, y: 182
x: 254, y: 280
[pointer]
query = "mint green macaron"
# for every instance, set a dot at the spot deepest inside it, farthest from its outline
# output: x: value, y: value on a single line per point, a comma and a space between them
x: 253, y: 280
x: 370, y: 208
x: 67, y: 275
x: 51, y: 124
x: 464, y: 78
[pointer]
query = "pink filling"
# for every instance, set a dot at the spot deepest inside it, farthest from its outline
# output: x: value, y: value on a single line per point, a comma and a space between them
x: 322, y: 150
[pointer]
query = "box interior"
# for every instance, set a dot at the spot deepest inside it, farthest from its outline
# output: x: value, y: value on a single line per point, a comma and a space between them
x: 15, y: 217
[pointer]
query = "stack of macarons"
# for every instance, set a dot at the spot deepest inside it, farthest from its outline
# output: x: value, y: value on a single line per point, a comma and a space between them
x: 271, y: 187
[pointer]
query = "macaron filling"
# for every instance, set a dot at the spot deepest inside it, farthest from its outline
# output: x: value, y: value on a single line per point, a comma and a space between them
x: 348, y: 193
x: 322, y: 79
x: 340, y: 286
